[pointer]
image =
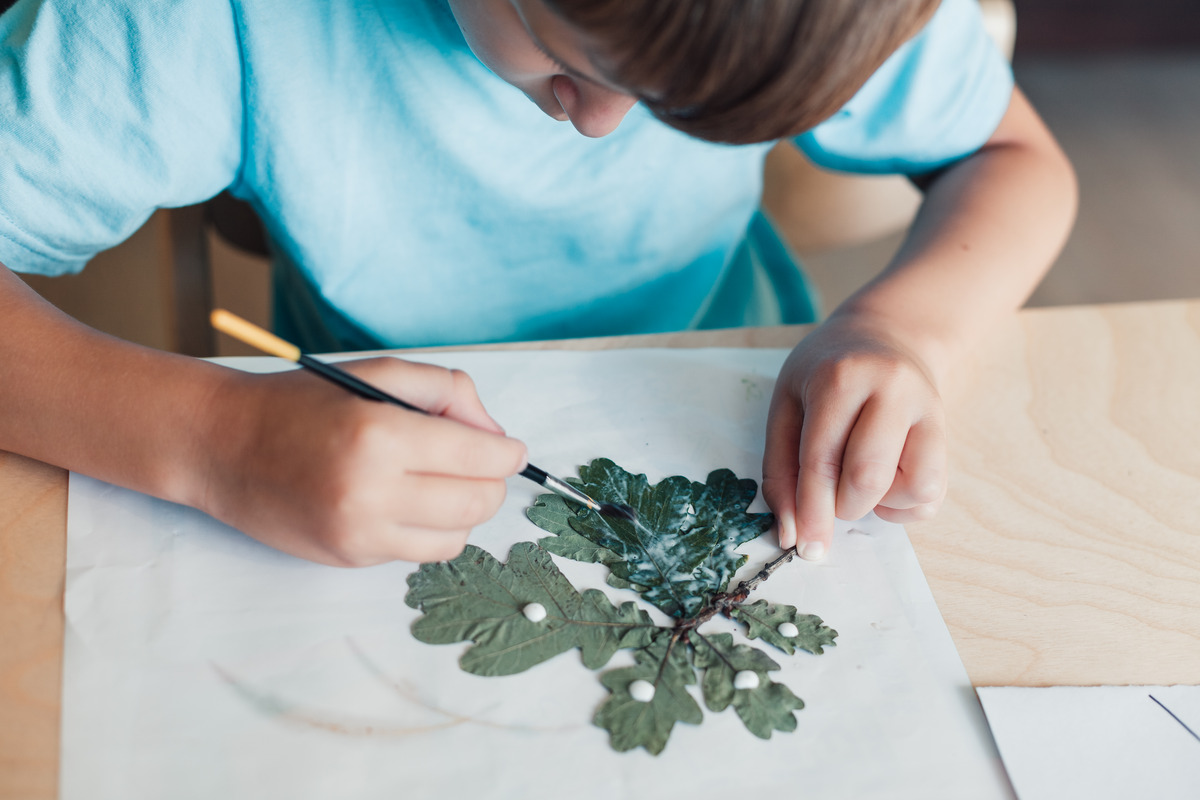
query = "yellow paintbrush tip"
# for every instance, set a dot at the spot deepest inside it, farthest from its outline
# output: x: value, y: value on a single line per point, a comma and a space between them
x: 251, y: 334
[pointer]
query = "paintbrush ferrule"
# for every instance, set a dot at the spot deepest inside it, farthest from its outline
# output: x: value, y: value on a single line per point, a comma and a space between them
x: 564, y: 489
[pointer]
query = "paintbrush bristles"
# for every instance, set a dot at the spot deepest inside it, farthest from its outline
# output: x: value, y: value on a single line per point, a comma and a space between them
x: 253, y: 335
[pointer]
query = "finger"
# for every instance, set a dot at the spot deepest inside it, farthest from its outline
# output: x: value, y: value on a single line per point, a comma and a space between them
x: 905, y: 515
x: 440, y: 503
x: 822, y: 447
x: 365, y: 547
x: 922, y: 474
x: 407, y: 543
x: 440, y: 446
x: 781, y: 466
x: 378, y: 542
x: 871, y: 459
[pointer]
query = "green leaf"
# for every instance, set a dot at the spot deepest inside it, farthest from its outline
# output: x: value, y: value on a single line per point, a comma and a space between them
x: 632, y: 723
x: 476, y: 598
x: 721, y: 659
x: 552, y: 513
x: 680, y: 549
x: 720, y: 505
x: 763, y: 620
x: 766, y: 708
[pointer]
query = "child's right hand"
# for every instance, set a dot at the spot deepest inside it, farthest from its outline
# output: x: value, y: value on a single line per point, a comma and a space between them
x: 308, y: 468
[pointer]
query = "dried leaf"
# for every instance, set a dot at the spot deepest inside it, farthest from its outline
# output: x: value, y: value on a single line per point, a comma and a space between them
x: 721, y: 505
x: 763, y: 620
x: 766, y: 708
x: 631, y: 723
x: 476, y: 598
x: 680, y: 550
x: 551, y: 512
x: 678, y: 554
x: 621, y: 583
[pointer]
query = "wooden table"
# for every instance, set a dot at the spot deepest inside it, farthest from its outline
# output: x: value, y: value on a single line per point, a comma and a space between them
x: 1068, y: 551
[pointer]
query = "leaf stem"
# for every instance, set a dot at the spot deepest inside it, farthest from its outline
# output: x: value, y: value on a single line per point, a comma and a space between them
x: 713, y: 647
x: 675, y: 637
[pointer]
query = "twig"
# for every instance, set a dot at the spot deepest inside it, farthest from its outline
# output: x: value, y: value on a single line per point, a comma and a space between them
x: 746, y: 586
x: 724, y: 603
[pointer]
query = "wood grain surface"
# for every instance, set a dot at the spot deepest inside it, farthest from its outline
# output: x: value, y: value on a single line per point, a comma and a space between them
x: 1068, y: 551
x: 33, y: 548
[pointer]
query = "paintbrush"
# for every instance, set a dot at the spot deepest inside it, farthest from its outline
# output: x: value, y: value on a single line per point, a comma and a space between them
x: 269, y: 343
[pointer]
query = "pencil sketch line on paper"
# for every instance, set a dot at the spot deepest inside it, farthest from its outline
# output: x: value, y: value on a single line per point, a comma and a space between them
x: 290, y: 713
x: 1177, y: 719
x: 405, y: 690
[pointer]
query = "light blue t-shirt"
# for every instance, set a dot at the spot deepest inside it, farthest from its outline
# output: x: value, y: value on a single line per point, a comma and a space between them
x: 412, y: 196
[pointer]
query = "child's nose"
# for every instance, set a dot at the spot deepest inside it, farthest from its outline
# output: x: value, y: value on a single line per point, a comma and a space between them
x: 593, y: 110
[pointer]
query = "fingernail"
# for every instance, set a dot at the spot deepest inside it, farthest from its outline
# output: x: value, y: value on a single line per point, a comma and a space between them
x: 787, y: 532
x: 812, y: 551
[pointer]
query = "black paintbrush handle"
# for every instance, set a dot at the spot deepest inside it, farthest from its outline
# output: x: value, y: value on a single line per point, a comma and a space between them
x: 534, y: 474
x: 348, y: 381
x: 363, y: 389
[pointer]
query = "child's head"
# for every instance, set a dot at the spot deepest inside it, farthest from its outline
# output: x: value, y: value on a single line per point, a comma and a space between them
x: 726, y: 70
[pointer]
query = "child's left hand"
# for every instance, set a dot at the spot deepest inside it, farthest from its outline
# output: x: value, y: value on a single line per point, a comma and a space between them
x: 856, y: 424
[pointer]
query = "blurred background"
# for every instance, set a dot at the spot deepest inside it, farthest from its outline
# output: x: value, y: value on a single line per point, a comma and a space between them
x: 1118, y: 81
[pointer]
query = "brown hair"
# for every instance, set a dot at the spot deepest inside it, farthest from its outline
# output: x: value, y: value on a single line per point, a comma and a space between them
x: 741, y: 71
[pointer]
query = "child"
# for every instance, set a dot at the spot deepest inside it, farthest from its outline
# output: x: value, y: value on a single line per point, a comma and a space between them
x: 414, y: 195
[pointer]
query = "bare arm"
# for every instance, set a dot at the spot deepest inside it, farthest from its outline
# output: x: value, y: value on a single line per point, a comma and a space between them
x: 287, y: 458
x: 856, y: 421
x: 95, y: 404
x: 987, y: 232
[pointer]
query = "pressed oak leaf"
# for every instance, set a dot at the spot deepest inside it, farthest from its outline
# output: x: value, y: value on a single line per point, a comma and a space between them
x: 476, y: 598
x: 552, y: 513
x: 678, y: 552
x: 764, y: 708
x: 763, y: 620
x: 633, y: 723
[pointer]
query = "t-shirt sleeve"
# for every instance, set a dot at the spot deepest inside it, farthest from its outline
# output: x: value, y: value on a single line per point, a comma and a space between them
x: 110, y: 109
x: 937, y: 99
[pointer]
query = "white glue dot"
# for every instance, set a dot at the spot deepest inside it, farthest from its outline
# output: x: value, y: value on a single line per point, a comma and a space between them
x: 534, y: 612
x: 746, y: 679
x: 642, y: 691
x: 787, y: 630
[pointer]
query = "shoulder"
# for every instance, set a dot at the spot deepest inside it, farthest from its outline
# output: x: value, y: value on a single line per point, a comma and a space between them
x: 113, y: 107
x: 935, y: 100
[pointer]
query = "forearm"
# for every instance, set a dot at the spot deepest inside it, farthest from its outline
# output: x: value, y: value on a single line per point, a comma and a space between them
x: 77, y: 398
x: 297, y: 463
x: 989, y: 229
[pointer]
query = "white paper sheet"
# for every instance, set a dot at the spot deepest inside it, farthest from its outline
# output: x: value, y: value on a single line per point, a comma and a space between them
x: 200, y: 664
x: 1098, y: 742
